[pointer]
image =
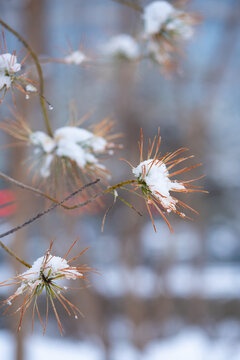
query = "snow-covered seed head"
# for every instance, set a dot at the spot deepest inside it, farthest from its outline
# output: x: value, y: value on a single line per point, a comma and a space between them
x: 154, y: 177
x: 155, y: 15
x: 164, y: 28
x: 76, y: 57
x: 160, y: 17
x: 71, y: 156
x: 46, y: 274
x: 9, y: 69
x: 156, y: 182
x: 122, y: 46
x: 77, y: 145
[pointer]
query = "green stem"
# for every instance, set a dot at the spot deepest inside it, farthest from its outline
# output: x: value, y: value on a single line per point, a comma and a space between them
x: 40, y: 74
x: 10, y: 252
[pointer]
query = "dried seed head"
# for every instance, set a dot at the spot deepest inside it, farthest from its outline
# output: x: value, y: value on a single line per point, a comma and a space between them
x: 154, y: 179
x: 45, y: 275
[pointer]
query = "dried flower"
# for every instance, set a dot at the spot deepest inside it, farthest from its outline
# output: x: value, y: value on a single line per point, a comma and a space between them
x: 156, y: 184
x: 69, y: 158
x: 9, y: 69
x: 46, y: 275
x: 71, y: 56
x: 164, y: 27
x: 76, y: 57
x: 122, y: 46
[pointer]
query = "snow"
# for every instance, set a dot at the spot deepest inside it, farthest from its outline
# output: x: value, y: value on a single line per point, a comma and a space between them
x: 7, y: 345
x: 74, y: 152
x: 43, y: 140
x: 191, y: 343
x: 122, y: 45
x: 8, y: 62
x: 46, y: 165
x: 8, y: 67
x: 76, y: 58
x: 182, y: 30
x: 77, y: 144
x: 5, y: 81
x: 211, y: 282
x: 51, y: 266
x: 155, y: 15
x: 124, y: 347
x: 31, y: 88
x: 160, y: 15
x: 156, y: 177
x: 55, y: 349
x: 56, y: 264
x: 81, y: 136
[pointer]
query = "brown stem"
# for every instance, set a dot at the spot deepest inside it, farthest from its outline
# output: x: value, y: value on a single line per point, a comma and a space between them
x: 29, y: 221
x: 41, y: 193
x: 40, y: 74
x: 130, y: 4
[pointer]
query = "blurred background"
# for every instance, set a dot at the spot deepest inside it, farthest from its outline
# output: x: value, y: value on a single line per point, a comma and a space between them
x: 159, y: 295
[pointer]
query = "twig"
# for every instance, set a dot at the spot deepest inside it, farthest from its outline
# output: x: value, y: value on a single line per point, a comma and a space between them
x: 10, y: 252
x: 130, y: 4
x: 29, y: 221
x: 40, y: 74
x: 41, y: 193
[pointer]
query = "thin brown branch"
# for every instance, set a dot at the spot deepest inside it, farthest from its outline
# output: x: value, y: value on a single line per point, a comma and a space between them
x: 39, y: 70
x: 41, y: 193
x: 29, y: 221
x: 130, y: 4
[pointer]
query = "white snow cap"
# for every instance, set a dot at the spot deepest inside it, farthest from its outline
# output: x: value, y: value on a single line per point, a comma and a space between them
x: 8, y: 62
x: 43, y: 140
x: 53, y: 267
x: 122, y: 45
x: 31, y: 88
x: 156, y: 178
x: 76, y: 58
x: 8, y: 66
x: 5, y: 81
x: 161, y: 13
x: 77, y: 144
x: 155, y: 15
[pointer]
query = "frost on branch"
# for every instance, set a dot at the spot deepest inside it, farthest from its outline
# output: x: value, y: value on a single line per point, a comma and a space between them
x: 46, y: 275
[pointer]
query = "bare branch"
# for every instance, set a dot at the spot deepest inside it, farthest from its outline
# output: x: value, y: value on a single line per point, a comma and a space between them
x: 40, y: 74
x: 29, y: 221
x: 131, y: 4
